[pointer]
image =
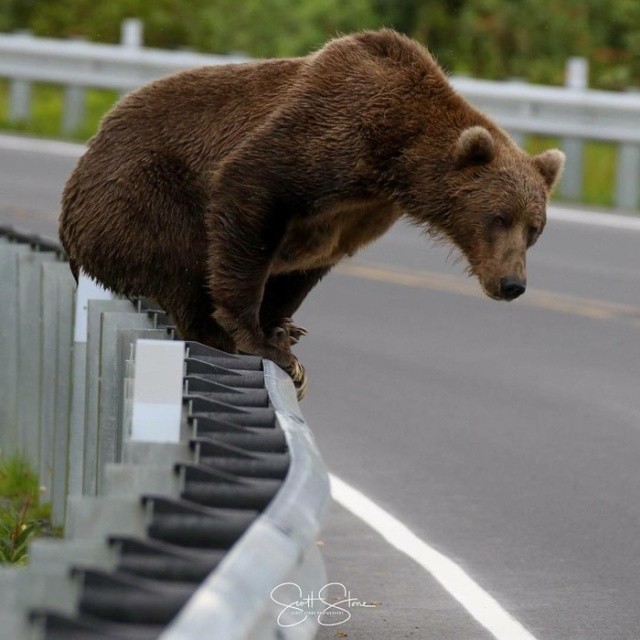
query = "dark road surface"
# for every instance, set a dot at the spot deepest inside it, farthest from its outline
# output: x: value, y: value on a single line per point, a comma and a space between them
x: 507, y: 436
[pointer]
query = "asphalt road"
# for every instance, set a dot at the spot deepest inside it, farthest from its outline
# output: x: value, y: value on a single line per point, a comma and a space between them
x: 505, y: 435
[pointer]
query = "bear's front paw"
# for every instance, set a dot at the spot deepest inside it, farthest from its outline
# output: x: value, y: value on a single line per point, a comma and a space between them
x: 278, y: 348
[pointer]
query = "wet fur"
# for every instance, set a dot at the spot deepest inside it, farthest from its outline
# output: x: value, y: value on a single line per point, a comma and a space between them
x: 226, y: 193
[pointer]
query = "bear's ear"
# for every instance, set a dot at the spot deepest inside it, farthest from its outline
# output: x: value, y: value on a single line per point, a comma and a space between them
x: 474, y: 146
x: 550, y: 164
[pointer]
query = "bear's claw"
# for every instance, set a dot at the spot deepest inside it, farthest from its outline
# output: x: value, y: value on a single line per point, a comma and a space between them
x: 295, y: 332
x: 285, y: 334
x: 280, y: 338
x: 299, y: 377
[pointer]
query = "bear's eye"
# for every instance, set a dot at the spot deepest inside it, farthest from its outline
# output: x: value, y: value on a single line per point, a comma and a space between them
x: 500, y: 222
x: 533, y: 235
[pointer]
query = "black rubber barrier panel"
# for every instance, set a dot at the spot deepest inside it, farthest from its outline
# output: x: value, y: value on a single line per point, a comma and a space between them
x: 239, y: 461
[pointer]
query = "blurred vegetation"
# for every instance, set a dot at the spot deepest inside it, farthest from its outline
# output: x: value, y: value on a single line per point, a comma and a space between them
x: 47, y: 106
x: 529, y: 39
x: 496, y: 39
x: 22, y: 517
x: 600, y: 161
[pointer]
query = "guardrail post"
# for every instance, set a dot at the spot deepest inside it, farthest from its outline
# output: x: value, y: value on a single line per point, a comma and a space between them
x: 109, y: 443
x: 87, y: 290
x: 30, y: 354
x: 628, y: 177
x: 572, y: 184
x: 63, y: 385
x: 57, y: 302
x: 19, y: 100
x: 94, y: 388
x: 9, y: 325
x: 20, y: 93
x: 73, y: 109
x: 131, y: 33
x: 524, y: 110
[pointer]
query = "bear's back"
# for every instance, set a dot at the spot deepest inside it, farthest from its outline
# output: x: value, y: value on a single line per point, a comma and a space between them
x: 199, y: 114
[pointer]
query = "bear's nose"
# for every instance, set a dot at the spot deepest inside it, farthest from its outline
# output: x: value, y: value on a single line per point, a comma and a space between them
x: 511, y: 287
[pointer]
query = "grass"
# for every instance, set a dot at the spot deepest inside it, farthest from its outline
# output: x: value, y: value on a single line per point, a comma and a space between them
x: 600, y: 164
x: 45, y: 120
x: 22, y: 517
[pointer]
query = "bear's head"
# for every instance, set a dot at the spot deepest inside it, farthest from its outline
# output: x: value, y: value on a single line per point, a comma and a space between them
x: 493, y: 199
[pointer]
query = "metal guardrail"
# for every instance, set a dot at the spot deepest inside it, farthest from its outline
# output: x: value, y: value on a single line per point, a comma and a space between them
x: 574, y: 114
x: 78, y: 65
x: 178, y: 539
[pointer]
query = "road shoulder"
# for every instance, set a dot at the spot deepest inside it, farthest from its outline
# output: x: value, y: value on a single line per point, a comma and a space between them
x: 409, y: 603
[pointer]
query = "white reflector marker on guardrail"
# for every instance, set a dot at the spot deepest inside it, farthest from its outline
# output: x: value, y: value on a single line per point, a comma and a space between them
x: 157, y: 391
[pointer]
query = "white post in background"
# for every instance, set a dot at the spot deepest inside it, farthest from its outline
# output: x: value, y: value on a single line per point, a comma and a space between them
x: 20, y: 94
x: 628, y: 177
x: 75, y: 100
x: 576, y: 79
x: 577, y: 73
x: 157, y: 391
x: 524, y: 111
x: 131, y: 33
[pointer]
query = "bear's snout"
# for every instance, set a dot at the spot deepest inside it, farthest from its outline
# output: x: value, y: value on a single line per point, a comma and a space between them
x: 511, y: 287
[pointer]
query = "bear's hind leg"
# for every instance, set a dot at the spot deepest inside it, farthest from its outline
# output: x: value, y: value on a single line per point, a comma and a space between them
x: 194, y: 320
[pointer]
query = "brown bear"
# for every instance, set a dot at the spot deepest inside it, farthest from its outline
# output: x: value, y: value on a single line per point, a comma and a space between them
x: 226, y: 193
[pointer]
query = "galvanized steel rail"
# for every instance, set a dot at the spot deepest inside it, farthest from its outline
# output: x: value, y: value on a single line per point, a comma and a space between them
x: 178, y: 540
x: 575, y: 114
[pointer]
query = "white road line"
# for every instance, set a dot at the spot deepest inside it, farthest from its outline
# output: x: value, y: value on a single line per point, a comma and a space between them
x: 453, y: 578
x: 611, y: 220
x: 36, y: 145
x: 556, y: 212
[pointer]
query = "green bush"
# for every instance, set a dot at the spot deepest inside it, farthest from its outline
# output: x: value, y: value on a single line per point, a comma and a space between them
x: 255, y: 27
x: 16, y: 531
x: 16, y: 14
x: 530, y: 39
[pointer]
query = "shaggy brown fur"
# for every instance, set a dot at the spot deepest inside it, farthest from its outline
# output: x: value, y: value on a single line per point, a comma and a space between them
x: 226, y: 193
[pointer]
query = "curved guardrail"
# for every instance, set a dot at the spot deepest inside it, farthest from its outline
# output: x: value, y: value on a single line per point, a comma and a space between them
x: 183, y: 539
x: 278, y: 547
